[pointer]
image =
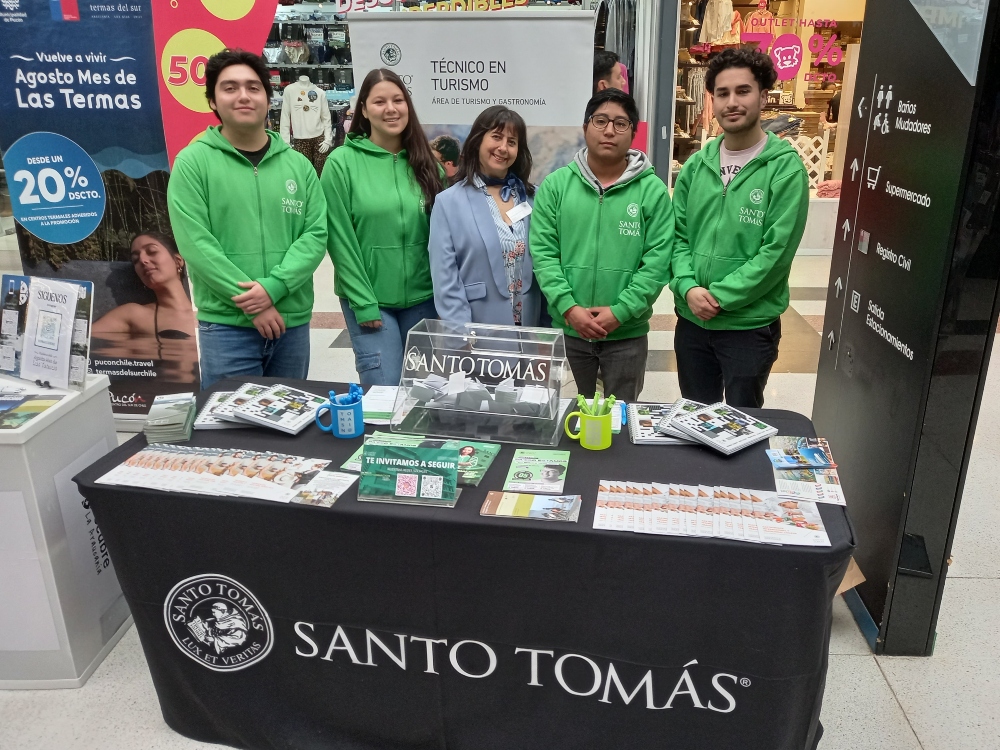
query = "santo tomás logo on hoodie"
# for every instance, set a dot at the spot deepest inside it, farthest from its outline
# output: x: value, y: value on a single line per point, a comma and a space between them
x: 291, y: 205
x: 633, y: 226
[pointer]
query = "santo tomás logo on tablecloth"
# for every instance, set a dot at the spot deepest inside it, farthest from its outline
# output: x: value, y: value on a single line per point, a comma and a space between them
x: 218, y: 622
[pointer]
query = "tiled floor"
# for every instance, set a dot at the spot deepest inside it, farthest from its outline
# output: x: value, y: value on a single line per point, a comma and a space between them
x: 946, y: 702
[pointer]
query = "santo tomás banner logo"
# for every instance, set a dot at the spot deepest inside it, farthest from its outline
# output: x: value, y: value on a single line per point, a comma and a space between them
x: 218, y: 622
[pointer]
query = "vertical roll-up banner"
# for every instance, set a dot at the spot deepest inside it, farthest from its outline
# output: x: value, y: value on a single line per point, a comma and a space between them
x: 96, y: 99
x: 456, y: 64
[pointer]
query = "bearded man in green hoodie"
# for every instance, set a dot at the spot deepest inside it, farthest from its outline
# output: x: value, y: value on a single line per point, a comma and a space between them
x: 602, y: 230
x: 740, y: 205
x: 250, y: 220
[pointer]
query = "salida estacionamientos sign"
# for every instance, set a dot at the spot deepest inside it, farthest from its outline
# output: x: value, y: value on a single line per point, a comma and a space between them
x: 220, y: 624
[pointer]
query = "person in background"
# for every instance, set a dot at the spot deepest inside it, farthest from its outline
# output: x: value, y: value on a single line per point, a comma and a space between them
x: 480, y: 263
x: 446, y: 150
x: 607, y: 72
x: 601, y: 237
x: 741, y: 204
x: 250, y: 221
x: 380, y: 188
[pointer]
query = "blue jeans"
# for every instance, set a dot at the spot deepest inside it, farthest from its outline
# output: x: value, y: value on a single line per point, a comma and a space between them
x: 378, y: 352
x: 235, y: 351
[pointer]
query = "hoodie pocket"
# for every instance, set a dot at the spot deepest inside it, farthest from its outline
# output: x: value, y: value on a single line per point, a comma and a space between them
x: 399, y: 274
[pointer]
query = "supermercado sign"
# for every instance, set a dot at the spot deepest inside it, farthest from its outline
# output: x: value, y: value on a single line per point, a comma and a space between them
x: 457, y: 64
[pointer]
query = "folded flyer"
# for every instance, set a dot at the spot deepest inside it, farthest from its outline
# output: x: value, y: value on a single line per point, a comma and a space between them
x: 541, y: 507
x: 800, y: 453
x: 724, y: 428
x: 216, y: 471
x: 324, y: 489
x: 537, y: 471
x: 378, y: 404
x: 708, y: 511
x: 815, y: 485
x: 281, y: 408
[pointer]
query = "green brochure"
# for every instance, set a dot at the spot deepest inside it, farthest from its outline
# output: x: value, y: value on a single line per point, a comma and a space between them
x: 415, y: 476
x: 537, y: 471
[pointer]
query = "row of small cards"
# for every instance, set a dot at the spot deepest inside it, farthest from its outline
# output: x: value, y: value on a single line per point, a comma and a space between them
x: 722, y: 512
x: 229, y: 472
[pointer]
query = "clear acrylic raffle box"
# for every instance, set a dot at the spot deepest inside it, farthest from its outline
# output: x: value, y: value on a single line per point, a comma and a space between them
x: 481, y: 382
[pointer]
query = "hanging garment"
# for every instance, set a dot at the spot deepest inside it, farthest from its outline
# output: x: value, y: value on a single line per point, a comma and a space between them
x: 718, y: 21
x: 305, y: 113
x: 759, y: 22
x: 732, y: 36
x: 309, y: 148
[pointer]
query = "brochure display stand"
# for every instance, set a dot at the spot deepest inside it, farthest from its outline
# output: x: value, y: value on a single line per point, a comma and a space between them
x: 61, y: 608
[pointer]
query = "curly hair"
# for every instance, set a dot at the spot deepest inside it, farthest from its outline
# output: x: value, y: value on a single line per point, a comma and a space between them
x: 754, y: 60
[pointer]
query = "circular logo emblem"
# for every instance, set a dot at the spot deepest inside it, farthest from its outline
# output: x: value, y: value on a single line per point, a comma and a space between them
x: 757, y: 195
x: 292, y: 187
x: 633, y: 209
x: 391, y: 54
x: 218, y: 622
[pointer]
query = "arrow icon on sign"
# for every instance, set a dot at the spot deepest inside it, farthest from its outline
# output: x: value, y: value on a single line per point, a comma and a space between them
x: 847, y: 227
x: 861, y: 104
x: 832, y: 339
x: 854, y: 169
x: 839, y: 285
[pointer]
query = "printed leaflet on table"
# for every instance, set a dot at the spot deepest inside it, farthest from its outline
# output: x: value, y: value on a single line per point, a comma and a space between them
x: 16, y: 409
x: 474, y: 458
x: 642, y: 421
x: 209, y: 419
x: 170, y: 419
x: 325, y: 489
x: 537, y: 471
x: 378, y: 404
x: 541, y: 507
x: 216, y: 471
x: 679, y: 407
x: 722, y: 427
x: 804, y: 470
x: 718, y: 512
x: 281, y: 408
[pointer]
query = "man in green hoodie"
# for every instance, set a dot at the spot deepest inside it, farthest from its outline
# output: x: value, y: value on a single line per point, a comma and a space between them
x: 250, y: 220
x: 602, y: 230
x: 740, y: 206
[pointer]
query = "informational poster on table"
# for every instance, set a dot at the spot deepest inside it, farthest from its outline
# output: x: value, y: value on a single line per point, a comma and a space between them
x: 95, y: 101
x: 456, y: 64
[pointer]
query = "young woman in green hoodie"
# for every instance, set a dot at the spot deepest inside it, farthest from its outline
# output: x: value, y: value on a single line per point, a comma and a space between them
x: 380, y: 187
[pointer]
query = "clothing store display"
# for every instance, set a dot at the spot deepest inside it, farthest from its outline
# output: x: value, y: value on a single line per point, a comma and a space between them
x: 759, y: 22
x: 718, y: 21
x: 305, y: 117
x: 828, y: 189
x: 732, y: 35
x: 294, y: 52
x: 311, y: 148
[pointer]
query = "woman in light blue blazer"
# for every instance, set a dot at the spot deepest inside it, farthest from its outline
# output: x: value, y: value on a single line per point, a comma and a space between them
x: 480, y: 263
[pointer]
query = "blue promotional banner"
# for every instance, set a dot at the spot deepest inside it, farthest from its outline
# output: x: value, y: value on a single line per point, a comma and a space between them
x: 83, y: 146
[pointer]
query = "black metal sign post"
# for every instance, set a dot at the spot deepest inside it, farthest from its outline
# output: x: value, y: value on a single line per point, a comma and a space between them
x: 911, y: 310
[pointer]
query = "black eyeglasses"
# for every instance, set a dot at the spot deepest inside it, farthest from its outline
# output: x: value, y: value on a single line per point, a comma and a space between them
x: 621, y: 124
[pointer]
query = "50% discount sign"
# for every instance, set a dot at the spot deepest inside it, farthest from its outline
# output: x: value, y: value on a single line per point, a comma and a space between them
x: 57, y: 192
x: 787, y: 53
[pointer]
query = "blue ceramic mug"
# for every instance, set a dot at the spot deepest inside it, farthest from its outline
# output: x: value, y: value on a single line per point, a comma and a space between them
x: 346, y: 416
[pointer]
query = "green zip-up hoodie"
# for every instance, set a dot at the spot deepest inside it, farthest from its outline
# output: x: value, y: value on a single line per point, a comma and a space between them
x: 235, y: 222
x: 595, y: 247
x: 739, y: 242
x: 378, y: 228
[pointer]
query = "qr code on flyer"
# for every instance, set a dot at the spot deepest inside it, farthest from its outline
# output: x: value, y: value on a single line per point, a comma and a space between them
x: 431, y: 486
x: 406, y: 485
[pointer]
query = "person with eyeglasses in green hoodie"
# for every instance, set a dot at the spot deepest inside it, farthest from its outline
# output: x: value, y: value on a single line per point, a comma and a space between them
x: 380, y: 187
x: 602, y: 230
x: 741, y: 204
x: 249, y: 219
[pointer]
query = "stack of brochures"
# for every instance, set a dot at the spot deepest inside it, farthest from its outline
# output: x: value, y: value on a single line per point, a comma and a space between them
x: 643, y: 425
x: 209, y: 419
x: 540, y: 507
x: 217, y: 471
x: 170, y: 419
x: 804, y: 470
x: 279, y: 407
x: 722, y: 427
x: 720, y: 512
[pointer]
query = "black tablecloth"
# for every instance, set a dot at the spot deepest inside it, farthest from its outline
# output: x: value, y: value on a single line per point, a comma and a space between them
x: 628, y: 640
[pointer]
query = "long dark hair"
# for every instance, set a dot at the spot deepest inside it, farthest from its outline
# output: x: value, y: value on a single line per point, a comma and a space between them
x: 491, y: 119
x: 426, y: 169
